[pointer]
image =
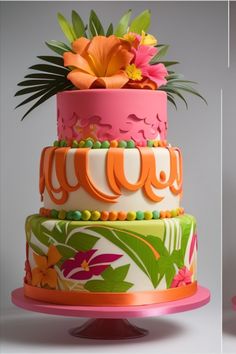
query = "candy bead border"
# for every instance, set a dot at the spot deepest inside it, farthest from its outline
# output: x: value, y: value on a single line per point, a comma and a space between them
x: 95, y: 215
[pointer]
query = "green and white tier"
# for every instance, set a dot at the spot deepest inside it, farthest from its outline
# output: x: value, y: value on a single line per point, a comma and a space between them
x: 125, y: 258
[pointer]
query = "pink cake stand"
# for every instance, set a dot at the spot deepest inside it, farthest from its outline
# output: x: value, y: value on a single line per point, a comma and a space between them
x: 234, y: 303
x: 110, y: 322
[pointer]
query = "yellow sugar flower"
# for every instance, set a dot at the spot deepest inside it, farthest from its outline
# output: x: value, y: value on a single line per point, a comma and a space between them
x: 148, y: 39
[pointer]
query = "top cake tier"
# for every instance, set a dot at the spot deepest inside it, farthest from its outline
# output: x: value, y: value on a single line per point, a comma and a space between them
x: 107, y: 114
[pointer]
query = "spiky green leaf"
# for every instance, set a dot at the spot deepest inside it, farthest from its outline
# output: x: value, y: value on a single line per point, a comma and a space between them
x: 141, y: 22
x: 50, y: 69
x: 31, y: 83
x: 123, y: 24
x: 160, y: 54
x: 109, y: 30
x: 47, y: 77
x: 172, y: 100
x: 95, y: 25
x: 52, y: 59
x: 31, y: 89
x: 58, y: 47
x: 47, y: 95
x: 66, y: 28
x: 78, y: 25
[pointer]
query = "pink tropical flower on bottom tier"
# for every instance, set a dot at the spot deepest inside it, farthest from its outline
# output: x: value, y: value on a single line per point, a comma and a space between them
x: 85, y: 266
x: 182, y: 278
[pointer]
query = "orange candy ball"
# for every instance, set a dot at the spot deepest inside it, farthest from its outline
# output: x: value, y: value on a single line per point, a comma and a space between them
x: 104, y: 215
x: 113, y: 215
x: 122, y: 215
x: 114, y: 143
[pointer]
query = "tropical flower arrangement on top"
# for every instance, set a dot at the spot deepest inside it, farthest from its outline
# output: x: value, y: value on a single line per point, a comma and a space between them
x: 124, y: 57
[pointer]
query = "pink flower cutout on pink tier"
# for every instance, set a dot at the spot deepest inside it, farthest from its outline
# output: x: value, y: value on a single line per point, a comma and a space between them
x: 182, y: 278
x: 85, y: 266
x: 143, y: 55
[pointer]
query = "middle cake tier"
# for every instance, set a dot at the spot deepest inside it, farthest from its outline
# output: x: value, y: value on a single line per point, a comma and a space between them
x: 114, y: 179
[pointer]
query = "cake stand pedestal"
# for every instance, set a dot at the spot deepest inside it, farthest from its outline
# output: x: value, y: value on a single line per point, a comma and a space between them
x: 234, y: 303
x: 110, y: 322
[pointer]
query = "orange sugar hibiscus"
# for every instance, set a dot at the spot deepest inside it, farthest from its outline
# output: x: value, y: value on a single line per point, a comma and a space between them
x: 44, y: 274
x: 99, y: 62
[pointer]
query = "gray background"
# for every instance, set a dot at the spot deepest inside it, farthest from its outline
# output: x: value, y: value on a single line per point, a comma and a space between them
x: 229, y: 196
x: 197, y: 33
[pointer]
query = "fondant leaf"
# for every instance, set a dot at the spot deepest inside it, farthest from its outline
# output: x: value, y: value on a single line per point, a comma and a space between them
x: 117, y: 274
x: 47, y: 77
x: 82, y: 242
x: 141, y: 22
x: 140, y: 251
x: 36, y: 249
x: 65, y: 251
x: 95, y: 25
x: 107, y: 286
x: 31, y: 89
x: 36, y: 226
x: 78, y: 25
x: 66, y: 28
x: 58, y: 47
x: 122, y: 26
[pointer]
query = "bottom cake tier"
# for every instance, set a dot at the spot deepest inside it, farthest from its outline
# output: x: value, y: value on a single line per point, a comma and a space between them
x: 116, y: 263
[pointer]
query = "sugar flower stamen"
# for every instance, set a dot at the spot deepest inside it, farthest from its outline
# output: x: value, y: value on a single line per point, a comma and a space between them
x: 133, y: 72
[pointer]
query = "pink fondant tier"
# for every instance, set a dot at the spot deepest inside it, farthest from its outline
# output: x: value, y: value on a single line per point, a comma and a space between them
x: 107, y: 114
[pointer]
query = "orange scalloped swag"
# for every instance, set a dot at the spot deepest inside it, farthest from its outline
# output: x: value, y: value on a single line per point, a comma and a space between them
x: 114, y: 172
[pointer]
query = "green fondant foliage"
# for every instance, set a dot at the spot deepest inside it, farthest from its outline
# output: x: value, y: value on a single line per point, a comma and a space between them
x: 113, y: 281
x: 141, y: 22
x: 122, y: 26
x: 95, y: 26
x: 137, y: 250
x: 36, y: 249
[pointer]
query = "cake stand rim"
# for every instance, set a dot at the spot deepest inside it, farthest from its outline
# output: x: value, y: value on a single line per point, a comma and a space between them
x: 201, y: 298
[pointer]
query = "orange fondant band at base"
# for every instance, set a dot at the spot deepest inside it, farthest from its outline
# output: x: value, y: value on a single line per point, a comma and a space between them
x: 75, y: 298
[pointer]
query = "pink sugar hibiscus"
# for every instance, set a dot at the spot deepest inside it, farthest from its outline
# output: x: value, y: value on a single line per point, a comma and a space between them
x: 156, y: 73
x: 85, y: 266
x: 182, y: 278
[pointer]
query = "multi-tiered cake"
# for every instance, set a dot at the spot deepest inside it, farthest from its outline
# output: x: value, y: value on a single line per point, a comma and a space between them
x: 111, y: 230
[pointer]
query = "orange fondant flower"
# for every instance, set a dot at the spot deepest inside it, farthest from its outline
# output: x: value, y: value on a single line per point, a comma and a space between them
x: 44, y: 274
x: 99, y: 62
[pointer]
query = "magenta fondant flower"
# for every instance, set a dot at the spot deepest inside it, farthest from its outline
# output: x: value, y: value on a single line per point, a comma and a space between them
x: 85, y: 265
x: 143, y: 55
x: 182, y: 278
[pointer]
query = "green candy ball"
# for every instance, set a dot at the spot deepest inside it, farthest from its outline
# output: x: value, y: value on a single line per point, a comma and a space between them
x: 81, y: 143
x: 97, y: 145
x: 105, y: 144
x: 130, y: 144
x: 139, y: 215
x: 122, y: 144
x: 75, y: 144
x: 88, y: 143
x: 86, y: 215
x: 77, y: 215
x: 62, y: 143
x: 147, y: 215
x: 155, y: 214
x: 131, y: 215
x: 56, y: 143
x: 54, y: 213
x: 150, y: 143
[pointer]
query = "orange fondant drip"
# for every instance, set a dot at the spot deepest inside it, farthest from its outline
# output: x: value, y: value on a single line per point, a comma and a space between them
x: 74, y: 298
x: 114, y: 171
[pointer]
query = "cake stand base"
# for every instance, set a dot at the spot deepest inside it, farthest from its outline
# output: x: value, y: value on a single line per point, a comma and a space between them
x: 108, y: 329
x: 234, y: 303
x: 110, y: 322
